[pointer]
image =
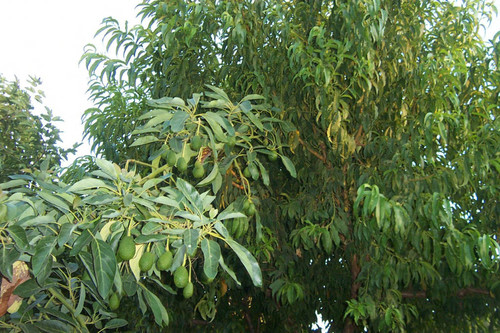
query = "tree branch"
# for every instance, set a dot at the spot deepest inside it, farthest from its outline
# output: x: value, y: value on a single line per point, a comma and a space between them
x: 315, y: 153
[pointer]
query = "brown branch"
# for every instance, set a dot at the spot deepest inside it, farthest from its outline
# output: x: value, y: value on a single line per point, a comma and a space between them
x: 249, y: 322
x: 322, y: 158
x: 460, y: 293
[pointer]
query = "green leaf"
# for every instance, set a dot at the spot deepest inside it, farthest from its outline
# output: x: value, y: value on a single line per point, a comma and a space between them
x: 104, y: 266
x: 7, y: 259
x: 228, y: 270
x: 189, y: 191
x: 211, y: 253
x: 221, y: 229
x: 229, y: 214
x: 115, y: 323
x: 289, y: 166
x: 190, y: 237
x: 41, y: 262
x: 248, y: 260
x: 36, y: 221
x: 13, y: 183
x: 27, y: 288
x: 88, y: 183
x: 19, y: 236
x: 178, y: 120
x: 65, y: 233
x: 159, y: 311
x: 263, y: 172
x: 144, y: 140
x: 82, y: 241
x: 213, y: 120
x: 107, y: 167
x: 150, y: 238
x: 52, y: 326
x: 246, y: 107
x: 63, y: 206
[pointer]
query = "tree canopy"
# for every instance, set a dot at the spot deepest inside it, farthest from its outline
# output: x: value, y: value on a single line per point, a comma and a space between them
x: 26, y: 138
x: 282, y: 159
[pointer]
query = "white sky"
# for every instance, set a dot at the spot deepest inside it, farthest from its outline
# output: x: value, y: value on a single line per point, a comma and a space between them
x: 45, y: 38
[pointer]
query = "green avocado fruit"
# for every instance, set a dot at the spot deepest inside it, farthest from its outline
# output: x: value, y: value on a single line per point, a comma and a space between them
x: 114, y: 301
x: 146, y: 261
x: 126, y: 248
x: 195, y: 143
x: 165, y: 261
x: 181, y: 277
x: 182, y: 164
x: 198, y: 170
x: 188, y: 290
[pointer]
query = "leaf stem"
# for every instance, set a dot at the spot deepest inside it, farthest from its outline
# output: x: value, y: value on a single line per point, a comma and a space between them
x: 68, y: 306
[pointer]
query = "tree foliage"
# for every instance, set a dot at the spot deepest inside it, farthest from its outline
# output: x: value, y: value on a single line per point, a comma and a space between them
x: 26, y: 138
x: 338, y: 158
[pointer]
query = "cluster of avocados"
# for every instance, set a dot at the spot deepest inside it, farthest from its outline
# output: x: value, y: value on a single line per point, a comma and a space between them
x: 181, y: 163
x: 126, y: 251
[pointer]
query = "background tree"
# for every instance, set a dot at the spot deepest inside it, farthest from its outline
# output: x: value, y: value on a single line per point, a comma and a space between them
x: 26, y: 139
x: 359, y: 139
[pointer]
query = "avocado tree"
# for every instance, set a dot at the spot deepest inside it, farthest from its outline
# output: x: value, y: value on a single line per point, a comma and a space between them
x: 26, y: 138
x: 275, y: 159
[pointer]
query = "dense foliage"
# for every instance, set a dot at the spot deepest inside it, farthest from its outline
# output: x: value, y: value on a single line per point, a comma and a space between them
x: 26, y: 138
x: 331, y: 157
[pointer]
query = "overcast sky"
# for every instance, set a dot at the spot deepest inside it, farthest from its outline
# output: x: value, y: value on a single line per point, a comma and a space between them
x: 45, y: 38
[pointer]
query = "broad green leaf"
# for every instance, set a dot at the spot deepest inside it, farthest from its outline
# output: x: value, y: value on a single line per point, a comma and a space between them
x: 13, y: 183
x: 214, y: 121
x: 190, y: 193
x: 52, y: 199
x: 178, y: 258
x: 151, y: 182
x: 248, y: 260
x: 252, y: 97
x: 27, y: 288
x: 88, y: 183
x: 41, y: 262
x: 246, y: 107
x: 211, y: 254
x: 221, y: 229
x: 81, y: 299
x: 65, y: 233
x: 52, y: 326
x: 144, y: 140
x: 7, y: 258
x: 159, y: 311
x: 82, y: 241
x: 263, y: 172
x: 178, y: 120
x: 228, y: 270
x: 36, y: 221
x: 107, y: 167
x: 229, y: 214
x: 150, y: 238
x: 289, y: 166
x: 104, y: 266
x: 190, y: 238
x: 115, y: 323
x: 18, y: 235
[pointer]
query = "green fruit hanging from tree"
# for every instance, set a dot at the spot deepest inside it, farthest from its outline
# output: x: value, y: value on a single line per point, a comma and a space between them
x: 126, y: 248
